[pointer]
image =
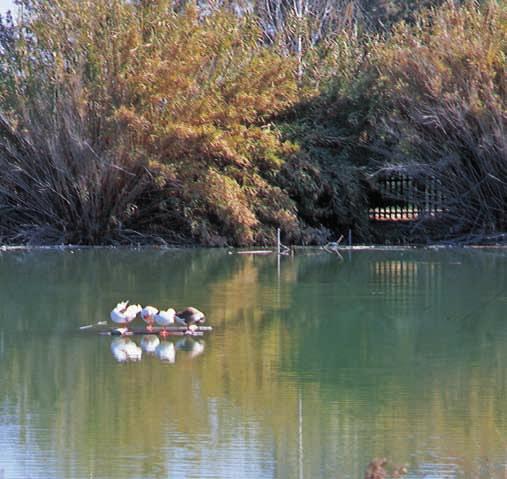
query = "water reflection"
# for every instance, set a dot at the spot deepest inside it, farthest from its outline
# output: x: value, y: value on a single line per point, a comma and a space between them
x: 400, y: 281
x: 149, y: 343
x: 166, y: 351
x: 402, y: 355
x: 124, y: 349
x: 192, y: 346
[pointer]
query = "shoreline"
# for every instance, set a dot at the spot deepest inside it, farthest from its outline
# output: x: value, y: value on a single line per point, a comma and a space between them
x: 264, y: 250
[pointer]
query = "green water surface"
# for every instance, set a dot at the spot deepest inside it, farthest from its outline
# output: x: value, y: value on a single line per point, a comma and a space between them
x: 314, y: 367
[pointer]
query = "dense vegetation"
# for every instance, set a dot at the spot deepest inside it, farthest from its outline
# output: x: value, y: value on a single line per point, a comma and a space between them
x: 203, y: 123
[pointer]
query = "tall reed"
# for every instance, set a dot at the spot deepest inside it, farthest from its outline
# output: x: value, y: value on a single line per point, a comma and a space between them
x: 56, y: 186
x: 446, y: 82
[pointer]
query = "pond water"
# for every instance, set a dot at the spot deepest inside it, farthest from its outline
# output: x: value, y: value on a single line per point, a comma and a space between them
x: 313, y: 368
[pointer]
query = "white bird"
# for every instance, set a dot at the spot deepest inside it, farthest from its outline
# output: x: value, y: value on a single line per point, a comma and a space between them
x: 166, y: 352
x: 125, y: 314
x: 149, y: 343
x: 124, y: 349
x: 164, y: 319
x: 148, y: 314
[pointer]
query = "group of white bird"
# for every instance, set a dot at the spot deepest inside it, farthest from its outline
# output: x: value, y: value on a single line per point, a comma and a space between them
x: 124, y: 349
x: 124, y: 314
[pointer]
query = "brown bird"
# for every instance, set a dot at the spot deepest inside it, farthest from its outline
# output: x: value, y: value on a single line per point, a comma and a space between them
x: 190, y: 317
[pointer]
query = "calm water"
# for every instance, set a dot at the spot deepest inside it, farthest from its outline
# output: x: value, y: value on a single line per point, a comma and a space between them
x: 313, y: 368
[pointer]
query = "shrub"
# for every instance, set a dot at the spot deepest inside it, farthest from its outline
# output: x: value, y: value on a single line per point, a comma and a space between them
x: 175, y: 96
x: 446, y: 82
x: 55, y: 187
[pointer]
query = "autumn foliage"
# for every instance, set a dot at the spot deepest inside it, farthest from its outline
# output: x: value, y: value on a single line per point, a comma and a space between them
x: 146, y: 121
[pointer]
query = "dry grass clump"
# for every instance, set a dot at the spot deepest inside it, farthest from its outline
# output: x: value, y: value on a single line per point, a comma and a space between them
x: 56, y: 187
x: 446, y: 79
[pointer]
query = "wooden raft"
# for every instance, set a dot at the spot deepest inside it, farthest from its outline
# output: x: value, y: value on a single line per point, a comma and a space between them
x: 157, y: 330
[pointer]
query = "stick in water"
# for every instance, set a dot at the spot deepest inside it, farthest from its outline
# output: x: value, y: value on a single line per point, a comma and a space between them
x: 88, y: 326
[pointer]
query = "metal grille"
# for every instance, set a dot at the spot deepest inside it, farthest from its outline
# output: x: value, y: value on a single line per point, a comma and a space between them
x: 401, y: 198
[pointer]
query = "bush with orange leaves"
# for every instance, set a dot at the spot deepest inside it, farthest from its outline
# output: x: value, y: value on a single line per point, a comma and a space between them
x: 187, y: 97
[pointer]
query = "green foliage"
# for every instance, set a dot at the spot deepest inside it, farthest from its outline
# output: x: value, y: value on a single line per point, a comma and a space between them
x: 334, y: 127
x: 429, y: 99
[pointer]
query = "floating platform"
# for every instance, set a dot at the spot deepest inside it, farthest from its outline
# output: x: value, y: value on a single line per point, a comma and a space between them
x: 159, y: 331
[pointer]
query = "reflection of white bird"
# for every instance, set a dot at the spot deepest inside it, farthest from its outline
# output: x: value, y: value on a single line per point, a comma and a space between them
x: 166, y: 352
x: 124, y: 314
x: 149, y: 343
x: 124, y: 349
x: 190, y: 317
x: 164, y: 319
x: 148, y: 314
x: 193, y: 347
